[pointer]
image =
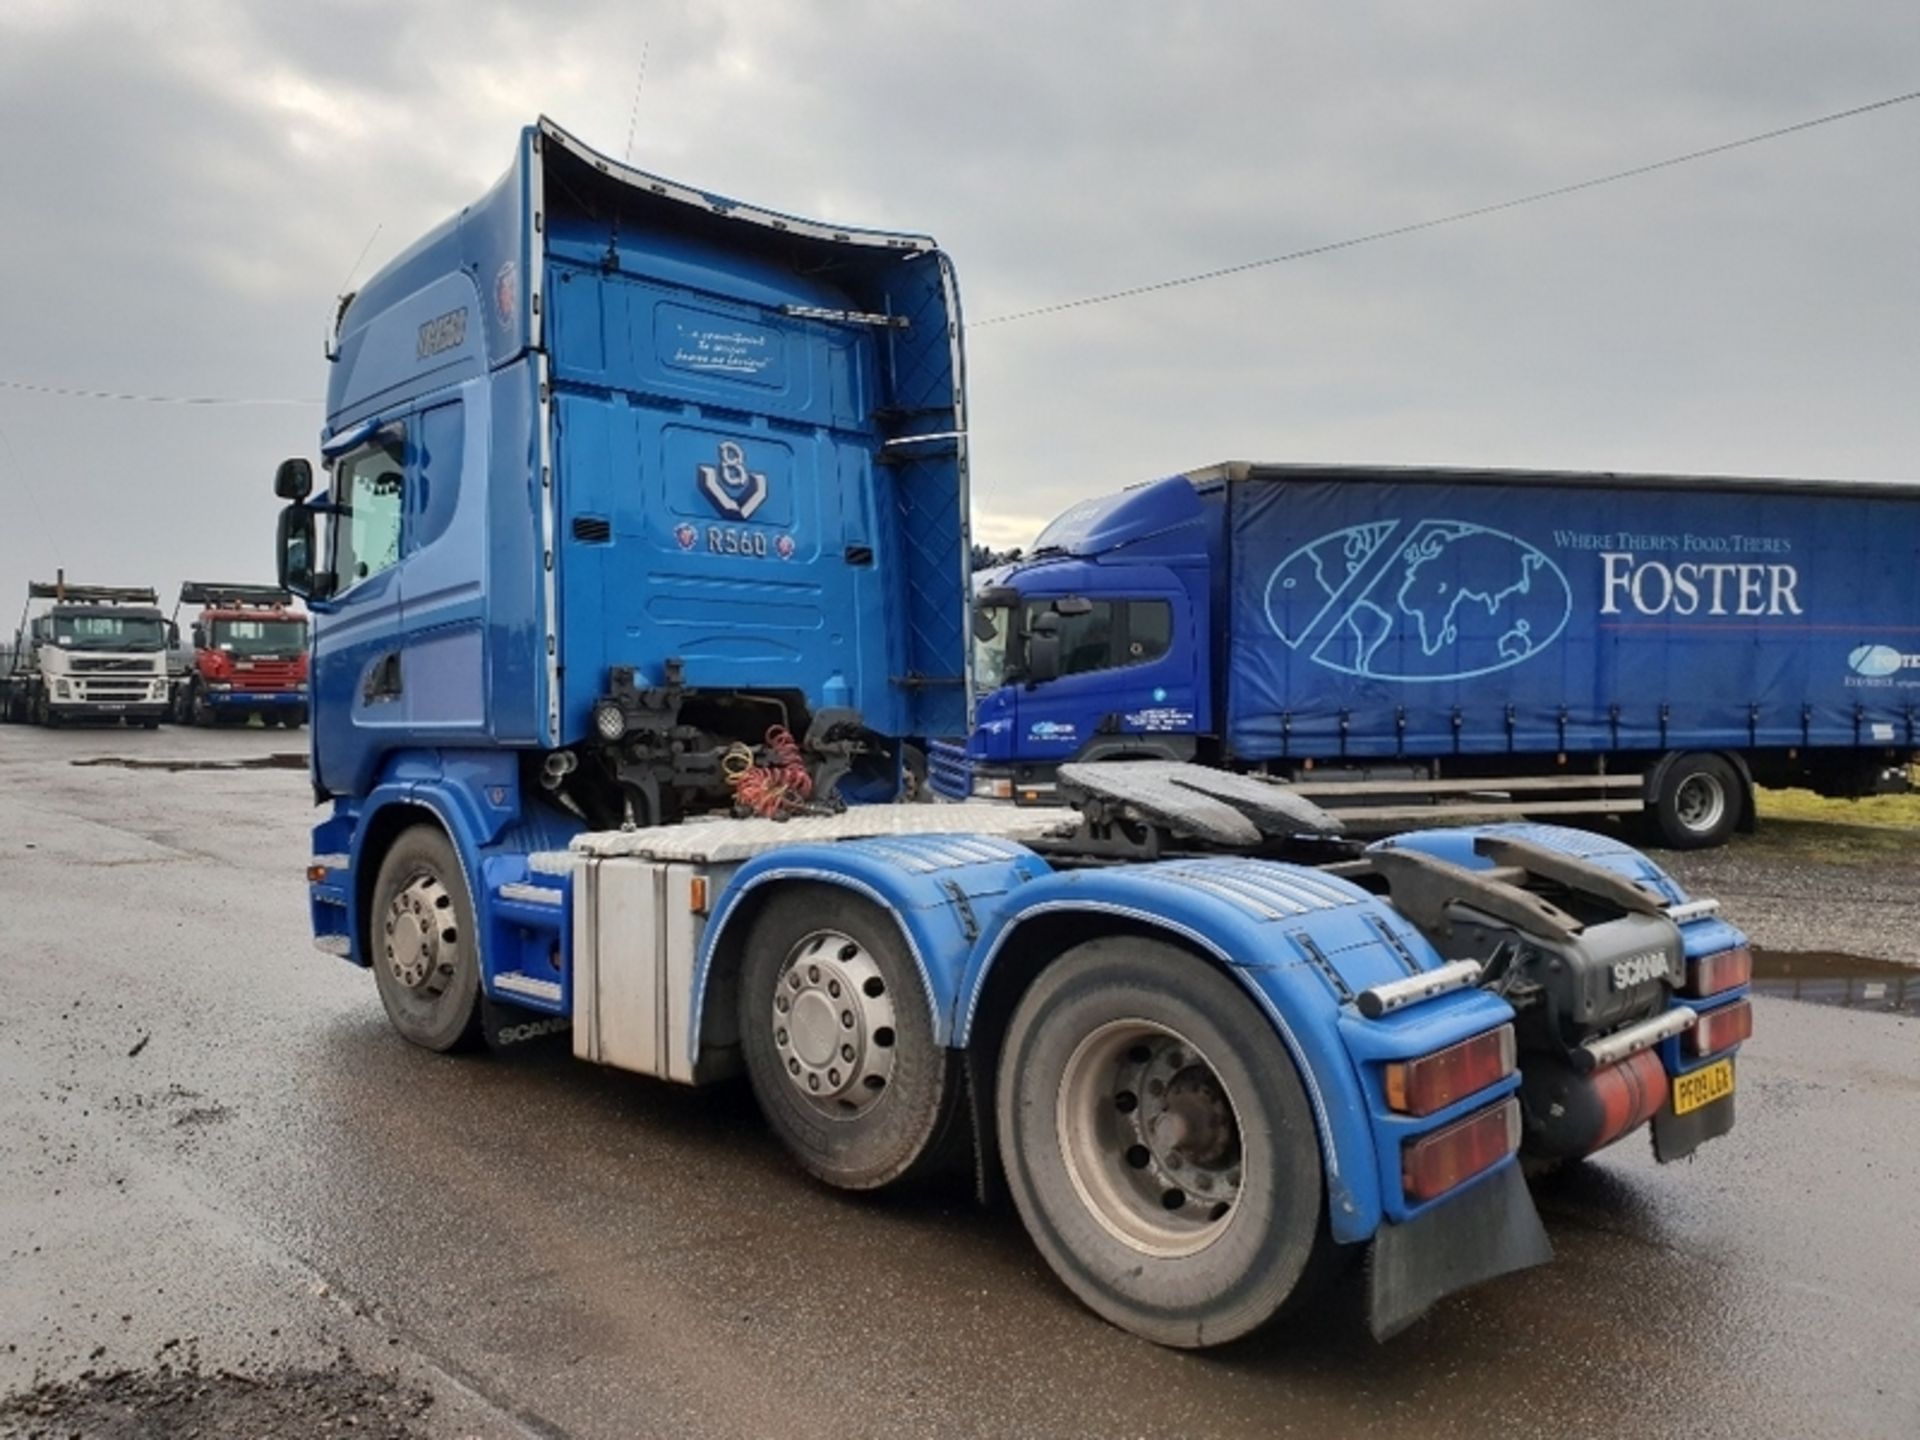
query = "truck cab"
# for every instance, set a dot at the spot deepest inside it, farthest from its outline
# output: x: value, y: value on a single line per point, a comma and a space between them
x: 249, y: 657
x: 653, y: 501
x: 1096, y: 645
x: 89, y: 652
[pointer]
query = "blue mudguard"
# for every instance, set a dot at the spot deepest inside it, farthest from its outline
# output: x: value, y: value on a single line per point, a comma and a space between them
x: 942, y: 891
x: 1303, y: 943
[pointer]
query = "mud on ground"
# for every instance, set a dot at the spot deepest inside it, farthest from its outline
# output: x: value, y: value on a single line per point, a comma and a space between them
x: 176, y: 1397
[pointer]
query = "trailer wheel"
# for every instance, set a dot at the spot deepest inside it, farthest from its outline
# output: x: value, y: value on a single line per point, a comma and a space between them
x: 838, y: 1040
x: 421, y: 939
x: 1700, y: 802
x: 1159, y: 1145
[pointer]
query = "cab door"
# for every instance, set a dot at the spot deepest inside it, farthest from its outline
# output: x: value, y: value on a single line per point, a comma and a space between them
x: 1126, y: 682
x: 358, y: 680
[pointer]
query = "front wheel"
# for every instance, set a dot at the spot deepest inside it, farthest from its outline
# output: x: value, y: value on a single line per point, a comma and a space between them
x: 1159, y: 1145
x: 838, y: 1040
x: 423, y: 943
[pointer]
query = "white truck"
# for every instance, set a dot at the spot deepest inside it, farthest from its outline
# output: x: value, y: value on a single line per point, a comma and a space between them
x: 87, y: 652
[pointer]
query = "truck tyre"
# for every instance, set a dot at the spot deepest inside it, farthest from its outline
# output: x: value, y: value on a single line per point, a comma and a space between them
x: 838, y: 1040
x: 1700, y: 802
x: 421, y: 940
x: 1159, y: 1146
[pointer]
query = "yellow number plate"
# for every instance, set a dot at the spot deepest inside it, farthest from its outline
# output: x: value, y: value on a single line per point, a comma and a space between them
x: 1702, y: 1087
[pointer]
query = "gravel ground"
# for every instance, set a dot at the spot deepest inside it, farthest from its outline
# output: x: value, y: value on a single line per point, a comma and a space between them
x: 176, y: 1397
x: 1781, y: 889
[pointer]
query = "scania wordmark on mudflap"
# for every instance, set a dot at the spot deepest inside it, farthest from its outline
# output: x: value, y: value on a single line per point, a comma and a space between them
x: 640, y: 564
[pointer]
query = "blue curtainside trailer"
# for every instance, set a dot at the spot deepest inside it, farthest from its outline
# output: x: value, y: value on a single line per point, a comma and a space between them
x: 640, y: 563
x: 1607, y: 642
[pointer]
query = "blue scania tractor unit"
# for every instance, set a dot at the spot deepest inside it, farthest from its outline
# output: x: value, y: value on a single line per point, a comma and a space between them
x: 1522, y: 641
x: 638, y: 567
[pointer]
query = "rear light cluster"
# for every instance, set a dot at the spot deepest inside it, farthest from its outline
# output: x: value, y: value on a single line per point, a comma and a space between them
x: 1436, y: 1163
x: 1721, y: 1029
x: 1715, y: 973
x: 1433, y: 1082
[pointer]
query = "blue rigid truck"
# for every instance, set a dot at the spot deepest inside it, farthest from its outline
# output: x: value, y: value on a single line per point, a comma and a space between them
x: 1527, y: 642
x: 637, y: 571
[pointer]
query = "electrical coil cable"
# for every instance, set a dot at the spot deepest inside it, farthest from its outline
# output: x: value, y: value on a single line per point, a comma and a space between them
x: 771, y: 791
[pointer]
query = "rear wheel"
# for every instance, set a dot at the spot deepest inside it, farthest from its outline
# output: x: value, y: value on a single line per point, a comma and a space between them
x: 1700, y: 802
x: 838, y: 1041
x: 1159, y: 1145
x: 423, y: 942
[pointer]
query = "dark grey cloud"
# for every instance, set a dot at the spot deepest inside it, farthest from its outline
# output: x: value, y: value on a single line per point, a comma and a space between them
x: 186, y: 185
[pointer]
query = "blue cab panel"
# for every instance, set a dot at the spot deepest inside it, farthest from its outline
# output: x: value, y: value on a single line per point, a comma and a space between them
x: 600, y: 419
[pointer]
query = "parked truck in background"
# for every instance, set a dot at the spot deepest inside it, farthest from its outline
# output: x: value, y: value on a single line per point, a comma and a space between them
x: 87, y: 652
x: 642, y: 556
x: 249, y: 657
x: 1519, y: 642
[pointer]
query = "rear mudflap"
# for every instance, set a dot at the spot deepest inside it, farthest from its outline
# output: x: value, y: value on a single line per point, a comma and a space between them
x: 511, y: 1027
x: 1486, y: 1230
x: 1677, y: 1136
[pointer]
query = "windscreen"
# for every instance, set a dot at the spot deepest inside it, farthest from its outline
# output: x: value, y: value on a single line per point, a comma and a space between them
x: 108, y: 631
x: 276, y: 638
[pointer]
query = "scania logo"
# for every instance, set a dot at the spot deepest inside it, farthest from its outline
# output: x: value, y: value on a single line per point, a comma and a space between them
x: 733, y: 489
x: 1638, y: 969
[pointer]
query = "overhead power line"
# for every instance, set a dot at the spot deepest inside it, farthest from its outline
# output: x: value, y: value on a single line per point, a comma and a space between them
x: 1435, y: 222
x: 71, y: 394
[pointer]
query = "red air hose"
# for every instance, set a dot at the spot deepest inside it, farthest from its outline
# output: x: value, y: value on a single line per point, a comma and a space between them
x: 780, y: 787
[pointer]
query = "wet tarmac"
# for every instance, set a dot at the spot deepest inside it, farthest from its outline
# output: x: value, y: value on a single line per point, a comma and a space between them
x: 209, y: 1136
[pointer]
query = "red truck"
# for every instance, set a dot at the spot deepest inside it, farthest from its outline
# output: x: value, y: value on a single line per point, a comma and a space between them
x: 249, y: 657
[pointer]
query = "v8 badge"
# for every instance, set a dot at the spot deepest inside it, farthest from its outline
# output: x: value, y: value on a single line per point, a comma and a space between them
x: 733, y: 489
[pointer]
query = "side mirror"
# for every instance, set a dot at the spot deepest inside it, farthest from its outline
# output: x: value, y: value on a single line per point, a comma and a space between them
x: 293, y: 480
x: 199, y: 637
x: 1043, y: 649
x: 296, y: 547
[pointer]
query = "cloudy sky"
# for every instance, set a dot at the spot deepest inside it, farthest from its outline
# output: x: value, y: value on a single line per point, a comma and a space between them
x: 187, y: 183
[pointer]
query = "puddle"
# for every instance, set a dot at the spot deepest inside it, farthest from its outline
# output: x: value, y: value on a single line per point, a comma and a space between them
x: 1852, y: 981
x: 292, y: 760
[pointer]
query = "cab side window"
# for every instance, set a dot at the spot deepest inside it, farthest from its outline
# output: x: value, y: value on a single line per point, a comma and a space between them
x: 1112, y: 634
x: 1086, y: 641
x: 1149, y: 631
x: 369, y: 485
